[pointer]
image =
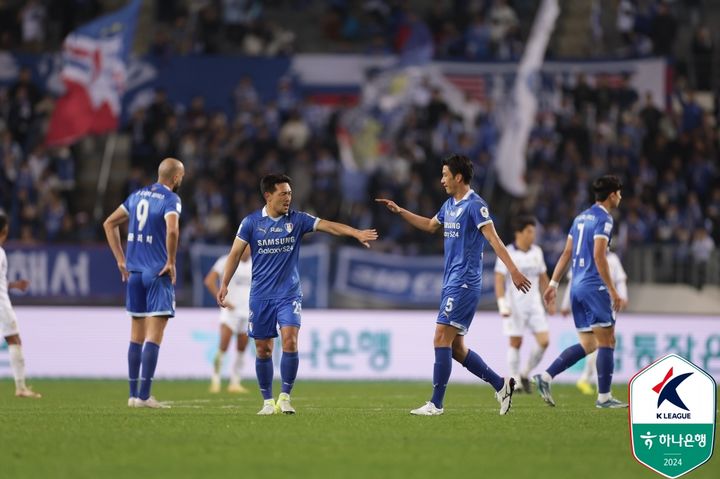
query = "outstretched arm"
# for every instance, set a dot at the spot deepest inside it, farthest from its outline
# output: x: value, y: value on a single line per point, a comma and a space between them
x: 519, y: 280
x: 339, y: 229
x: 112, y: 232
x: 431, y: 225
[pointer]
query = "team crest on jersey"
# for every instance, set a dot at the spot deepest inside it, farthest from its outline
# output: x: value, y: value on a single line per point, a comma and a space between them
x: 288, y: 227
x: 484, y: 212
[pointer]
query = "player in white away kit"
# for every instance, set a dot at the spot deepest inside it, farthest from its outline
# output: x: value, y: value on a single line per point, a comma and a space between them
x: 233, y: 319
x: 619, y: 279
x: 8, y: 321
x: 523, y: 311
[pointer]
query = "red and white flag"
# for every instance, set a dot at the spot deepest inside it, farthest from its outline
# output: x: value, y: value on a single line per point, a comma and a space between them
x: 94, y: 73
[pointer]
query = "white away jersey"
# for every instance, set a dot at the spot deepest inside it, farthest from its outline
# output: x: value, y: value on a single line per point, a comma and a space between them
x: 531, y: 263
x: 4, y: 297
x: 239, y: 287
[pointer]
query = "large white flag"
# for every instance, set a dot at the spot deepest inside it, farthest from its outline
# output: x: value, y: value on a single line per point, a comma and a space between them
x: 510, y: 161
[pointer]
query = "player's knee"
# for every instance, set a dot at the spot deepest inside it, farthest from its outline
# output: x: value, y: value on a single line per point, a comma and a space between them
x: 263, y: 351
x: 290, y: 344
x: 543, y: 343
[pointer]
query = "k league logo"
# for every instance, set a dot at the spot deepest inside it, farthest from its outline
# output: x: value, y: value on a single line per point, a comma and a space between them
x: 672, y: 416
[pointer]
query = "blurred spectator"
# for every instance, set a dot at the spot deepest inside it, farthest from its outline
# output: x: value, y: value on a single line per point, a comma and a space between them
x: 663, y: 29
x: 703, y: 51
x: 701, y: 249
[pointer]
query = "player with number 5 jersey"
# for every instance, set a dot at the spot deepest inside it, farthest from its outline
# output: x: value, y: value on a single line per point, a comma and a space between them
x: 466, y: 224
x: 152, y: 214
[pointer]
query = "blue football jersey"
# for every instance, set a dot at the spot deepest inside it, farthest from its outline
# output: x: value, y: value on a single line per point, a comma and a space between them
x: 592, y: 223
x: 275, y: 247
x: 464, y: 242
x: 147, y: 208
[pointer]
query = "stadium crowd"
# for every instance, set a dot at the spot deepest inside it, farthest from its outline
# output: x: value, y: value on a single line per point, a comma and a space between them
x: 669, y: 158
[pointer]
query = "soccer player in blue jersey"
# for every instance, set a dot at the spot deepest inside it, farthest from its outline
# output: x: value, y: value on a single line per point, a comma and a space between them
x: 466, y: 223
x: 153, y: 216
x: 273, y: 235
x: 593, y: 296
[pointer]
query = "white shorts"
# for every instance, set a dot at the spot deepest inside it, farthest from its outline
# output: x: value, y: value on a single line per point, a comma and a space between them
x: 8, y: 321
x: 517, y: 323
x: 238, y: 323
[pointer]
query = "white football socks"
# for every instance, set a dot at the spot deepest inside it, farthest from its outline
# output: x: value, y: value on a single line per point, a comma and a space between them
x: 17, y: 363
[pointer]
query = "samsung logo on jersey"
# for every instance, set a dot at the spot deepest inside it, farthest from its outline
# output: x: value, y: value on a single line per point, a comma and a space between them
x: 275, y: 241
x: 451, y: 226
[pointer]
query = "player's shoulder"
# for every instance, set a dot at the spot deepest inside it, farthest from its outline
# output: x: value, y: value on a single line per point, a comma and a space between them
x: 536, y: 249
x: 476, y: 199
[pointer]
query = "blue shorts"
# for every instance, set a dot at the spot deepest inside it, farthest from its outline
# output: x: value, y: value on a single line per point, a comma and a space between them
x: 591, y: 308
x: 150, y: 295
x: 267, y: 314
x: 457, y: 308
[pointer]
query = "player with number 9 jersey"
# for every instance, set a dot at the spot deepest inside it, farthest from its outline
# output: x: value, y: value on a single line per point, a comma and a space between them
x: 152, y: 214
x: 147, y: 209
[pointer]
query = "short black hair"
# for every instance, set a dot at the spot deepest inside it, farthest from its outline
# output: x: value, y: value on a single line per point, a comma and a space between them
x: 605, y: 185
x: 269, y: 182
x: 523, y: 221
x: 3, y: 221
x: 459, y: 164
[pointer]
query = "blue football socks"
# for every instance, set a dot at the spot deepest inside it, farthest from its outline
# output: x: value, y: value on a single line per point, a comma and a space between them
x: 264, y: 372
x: 474, y: 363
x: 149, y: 362
x: 288, y: 370
x: 566, y: 359
x: 605, y: 364
x: 134, y: 360
x: 441, y: 375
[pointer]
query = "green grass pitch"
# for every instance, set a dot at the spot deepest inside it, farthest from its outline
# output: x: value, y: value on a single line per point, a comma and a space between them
x: 342, y: 430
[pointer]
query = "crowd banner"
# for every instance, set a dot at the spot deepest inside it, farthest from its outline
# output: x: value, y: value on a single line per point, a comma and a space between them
x: 65, y: 273
x: 342, y: 344
x: 314, y: 268
x: 398, y: 279
x: 318, y: 74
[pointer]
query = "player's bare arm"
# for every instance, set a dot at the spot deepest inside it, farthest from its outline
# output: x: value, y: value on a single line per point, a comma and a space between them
x: 550, y: 293
x: 211, y: 283
x: 544, y: 283
x: 172, y: 222
x: 519, y: 280
x: 20, y: 284
x: 430, y: 225
x: 340, y: 229
x: 601, y: 262
x: 503, y: 308
x: 233, y: 260
x: 112, y: 233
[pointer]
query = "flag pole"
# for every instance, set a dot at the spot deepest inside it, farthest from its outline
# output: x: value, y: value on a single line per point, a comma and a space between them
x: 104, y: 175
